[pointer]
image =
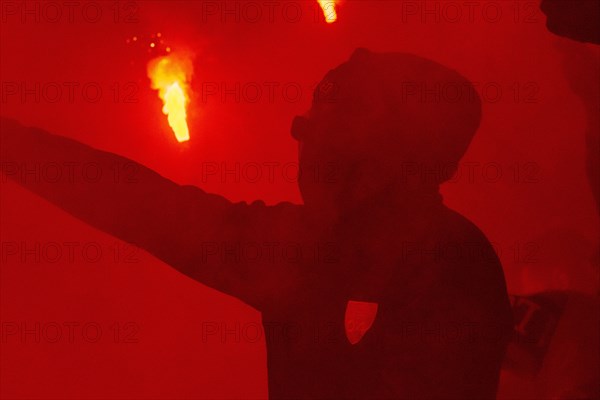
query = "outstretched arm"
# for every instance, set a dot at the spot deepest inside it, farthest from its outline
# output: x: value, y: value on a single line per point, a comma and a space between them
x: 181, y: 225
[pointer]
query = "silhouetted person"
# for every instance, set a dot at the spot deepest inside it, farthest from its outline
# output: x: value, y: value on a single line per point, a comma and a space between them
x: 383, y: 132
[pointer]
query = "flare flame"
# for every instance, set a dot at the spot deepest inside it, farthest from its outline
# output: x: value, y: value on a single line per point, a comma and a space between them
x: 329, y: 11
x: 170, y: 75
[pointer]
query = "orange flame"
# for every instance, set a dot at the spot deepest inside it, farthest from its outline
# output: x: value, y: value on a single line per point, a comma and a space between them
x: 329, y: 11
x: 170, y: 75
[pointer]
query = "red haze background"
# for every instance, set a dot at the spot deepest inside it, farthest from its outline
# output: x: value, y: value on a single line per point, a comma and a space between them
x: 152, y: 319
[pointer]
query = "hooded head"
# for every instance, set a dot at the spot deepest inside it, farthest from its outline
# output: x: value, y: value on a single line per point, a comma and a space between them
x: 383, y: 127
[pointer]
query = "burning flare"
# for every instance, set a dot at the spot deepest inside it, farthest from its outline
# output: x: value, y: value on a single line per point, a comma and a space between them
x: 328, y: 7
x: 170, y: 75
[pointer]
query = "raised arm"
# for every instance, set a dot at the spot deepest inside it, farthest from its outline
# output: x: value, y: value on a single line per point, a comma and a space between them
x: 181, y: 225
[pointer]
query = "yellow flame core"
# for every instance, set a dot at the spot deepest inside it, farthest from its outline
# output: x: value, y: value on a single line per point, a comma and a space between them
x: 170, y: 75
x: 328, y: 7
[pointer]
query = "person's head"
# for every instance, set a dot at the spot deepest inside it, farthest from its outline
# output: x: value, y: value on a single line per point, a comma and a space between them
x: 383, y: 125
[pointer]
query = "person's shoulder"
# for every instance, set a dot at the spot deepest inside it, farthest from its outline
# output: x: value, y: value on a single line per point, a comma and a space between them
x: 481, y: 275
x: 462, y: 229
x: 469, y: 257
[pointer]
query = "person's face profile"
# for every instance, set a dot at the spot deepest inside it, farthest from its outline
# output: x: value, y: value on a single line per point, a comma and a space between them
x: 316, y: 178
